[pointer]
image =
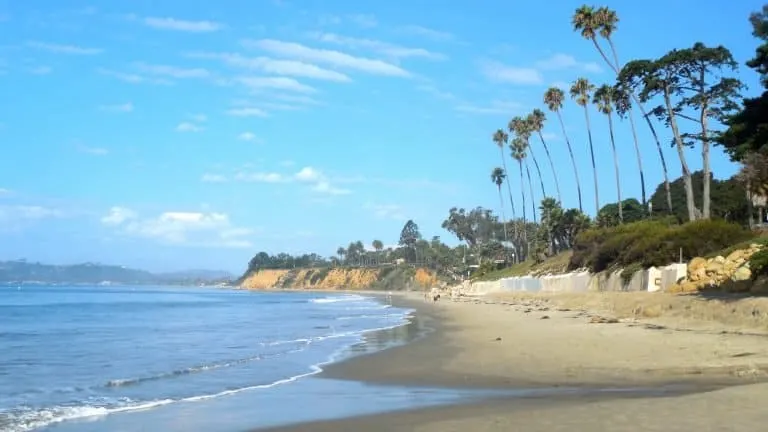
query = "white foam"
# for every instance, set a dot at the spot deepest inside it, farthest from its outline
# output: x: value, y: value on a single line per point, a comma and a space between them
x: 341, y: 298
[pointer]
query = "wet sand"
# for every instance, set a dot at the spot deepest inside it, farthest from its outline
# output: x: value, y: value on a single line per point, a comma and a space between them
x: 684, y: 379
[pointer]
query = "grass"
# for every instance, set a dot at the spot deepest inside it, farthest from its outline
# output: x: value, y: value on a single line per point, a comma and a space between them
x: 555, y: 264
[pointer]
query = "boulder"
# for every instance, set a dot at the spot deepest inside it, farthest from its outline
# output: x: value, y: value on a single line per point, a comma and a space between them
x: 714, y: 267
x: 737, y: 254
x: 696, y: 264
x: 719, y: 259
x: 741, y: 274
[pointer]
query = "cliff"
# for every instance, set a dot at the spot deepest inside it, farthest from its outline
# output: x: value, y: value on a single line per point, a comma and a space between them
x: 341, y: 278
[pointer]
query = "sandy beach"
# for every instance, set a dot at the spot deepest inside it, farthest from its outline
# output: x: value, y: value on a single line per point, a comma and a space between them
x: 690, y: 373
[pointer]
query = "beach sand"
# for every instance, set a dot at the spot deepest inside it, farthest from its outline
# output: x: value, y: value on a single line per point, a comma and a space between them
x: 715, y: 374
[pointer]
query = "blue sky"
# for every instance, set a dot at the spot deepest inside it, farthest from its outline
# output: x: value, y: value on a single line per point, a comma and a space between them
x: 171, y: 135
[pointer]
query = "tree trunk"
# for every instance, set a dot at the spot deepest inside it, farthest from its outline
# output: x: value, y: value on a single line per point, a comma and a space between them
x: 538, y: 171
x: 594, y: 167
x: 639, y: 158
x: 552, y: 166
x: 750, y: 205
x: 503, y: 216
x: 681, y: 154
x: 511, y: 201
x: 573, y: 160
x: 616, y: 167
x: 530, y: 188
x: 522, y: 192
x: 705, y: 198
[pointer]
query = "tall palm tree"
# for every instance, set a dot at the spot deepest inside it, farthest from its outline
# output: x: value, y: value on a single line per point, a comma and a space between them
x: 522, y: 127
x: 500, y: 138
x: 536, y: 121
x: 497, y: 177
x: 378, y: 246
x: 589, y: 21
x: 603, y: 98
x: 553, y: 98
x: 341, y: 252
x: 517, y: 148
x: 623, y: 107
x: 581, y: 91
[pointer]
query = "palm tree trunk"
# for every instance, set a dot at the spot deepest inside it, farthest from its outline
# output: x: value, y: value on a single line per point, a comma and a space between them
x: 538, y: 171
x: 681, y: 154
x: 616, y: 68
x: 594, y: 167
x: 530, y: 188
x: 616, y: 167
x: 573, y: 160
x: 503, y: 216
x: 511, y: 201
x: 552, y: 166
x: 522, y: 192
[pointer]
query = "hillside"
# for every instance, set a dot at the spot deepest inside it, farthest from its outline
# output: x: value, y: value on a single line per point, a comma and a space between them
x: 21, y: 271
x: 340, y: 278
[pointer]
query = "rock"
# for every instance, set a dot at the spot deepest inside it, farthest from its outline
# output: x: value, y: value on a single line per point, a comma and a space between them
x: 714, y: 267
x: 696, y: 264
x: 719, y: 259
x: 741, y: 274
x: 602, y: 320
x: 498, y: 339
x: 737, y: 254
x: 733, y: 286
x: 545, y: 317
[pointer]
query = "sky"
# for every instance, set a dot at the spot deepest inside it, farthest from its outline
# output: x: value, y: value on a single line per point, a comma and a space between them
x: 174, y: 135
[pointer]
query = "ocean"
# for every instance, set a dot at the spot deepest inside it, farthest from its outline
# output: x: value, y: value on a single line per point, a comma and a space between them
x: 82, y: 358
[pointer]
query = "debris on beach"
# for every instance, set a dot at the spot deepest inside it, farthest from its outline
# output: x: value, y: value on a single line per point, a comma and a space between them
x: 596, y: 319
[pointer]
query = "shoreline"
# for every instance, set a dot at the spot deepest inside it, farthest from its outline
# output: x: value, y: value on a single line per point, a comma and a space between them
x: 460, y: 351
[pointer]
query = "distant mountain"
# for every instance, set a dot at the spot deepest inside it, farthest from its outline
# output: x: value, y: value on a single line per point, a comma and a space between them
x: 92, y: 273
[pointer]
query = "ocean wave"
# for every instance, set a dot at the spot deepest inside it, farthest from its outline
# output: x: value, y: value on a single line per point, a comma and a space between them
x: 25, y: 418
x: 338, y: 299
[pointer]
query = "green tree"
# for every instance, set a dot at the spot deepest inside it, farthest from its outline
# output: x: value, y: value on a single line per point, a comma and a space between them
x: 409, y: 236
x: 341, y: 252
x: 581, y: 91
x: 522, y: 127
x: 623, y: 108
x: 748, y: 129
x: 497, y: 177
x: 378, y: 246
x: 603, y: 98
x: 553, y: 98
x: 662, y: 78
x: 536, y: 121
x: 632, y: 211
x: 589, y: 22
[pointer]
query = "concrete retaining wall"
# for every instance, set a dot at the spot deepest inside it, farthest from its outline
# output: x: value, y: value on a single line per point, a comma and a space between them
x: 652, y: 279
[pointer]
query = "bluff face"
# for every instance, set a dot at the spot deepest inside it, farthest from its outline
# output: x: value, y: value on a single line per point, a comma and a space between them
x: 341, y: 278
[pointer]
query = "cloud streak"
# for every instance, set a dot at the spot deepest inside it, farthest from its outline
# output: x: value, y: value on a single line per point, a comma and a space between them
x: 64, y: 49
x: 182, y: 25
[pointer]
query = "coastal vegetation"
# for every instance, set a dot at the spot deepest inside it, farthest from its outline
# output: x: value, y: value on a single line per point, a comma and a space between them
x: 692, y: 94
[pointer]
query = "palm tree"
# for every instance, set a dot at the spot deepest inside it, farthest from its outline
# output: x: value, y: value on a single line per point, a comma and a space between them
x: 603, y: 98
x: 536, y: 121
x: 553, y: 98
x: 588, y: 22
x: 500, y: 138
x: 497, y: 176
x: 580, y: 92
x: 623, y: 107
x: 523, y: 128
x: 378, y: 246
x: 341, y: 252
x: 517, y: 146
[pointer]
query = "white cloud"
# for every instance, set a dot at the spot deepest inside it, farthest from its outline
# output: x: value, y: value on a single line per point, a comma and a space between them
x: 324, y: 56
x: 213, y: 178
x: 308, y: 174
x: 320, y: 181
x: 19, y: 213
x: 275, y: 83
x: 564, y: 61
x: 495, y: 107
x: 182, y: 25
x: 550, y: 136
x: 133, y: 78
x: 247, y: 136
x: 200, y: 118
x: 276, y: 67
x: 325, y: 187
x: 41, y: 70
x: 125, y: 108
x: 498, y: 72
x: 64, y: 49
x: 247, y: 112
x: 173, y: 71
x: 188, y: 127
x: 386, y: 211
x: 180, y: 228
x: 118, y: 215
x: 383, y: 48
x: 261, y: 177
x: 364, y: 20
x: 428, y: 33
x: 96, y: 151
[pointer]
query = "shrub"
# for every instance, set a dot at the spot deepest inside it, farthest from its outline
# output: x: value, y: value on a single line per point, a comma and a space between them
x: 652, y: 243
x: 758, y: 263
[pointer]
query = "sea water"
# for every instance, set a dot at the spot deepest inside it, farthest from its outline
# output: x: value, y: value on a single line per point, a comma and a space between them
x: 75, y: 353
